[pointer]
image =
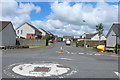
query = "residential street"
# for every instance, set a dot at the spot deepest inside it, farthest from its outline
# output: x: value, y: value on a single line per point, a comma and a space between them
x: 84, y: 63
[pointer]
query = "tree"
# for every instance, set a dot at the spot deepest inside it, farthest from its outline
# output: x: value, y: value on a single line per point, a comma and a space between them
x: 99, y: 29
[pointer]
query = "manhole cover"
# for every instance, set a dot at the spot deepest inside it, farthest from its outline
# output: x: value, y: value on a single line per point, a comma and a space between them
x: 40, y: 70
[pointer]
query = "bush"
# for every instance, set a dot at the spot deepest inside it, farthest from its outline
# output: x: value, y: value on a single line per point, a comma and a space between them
x: 59, y: 39
x: 118, y: 45
x: 46, y: 37
x: 88, y: 45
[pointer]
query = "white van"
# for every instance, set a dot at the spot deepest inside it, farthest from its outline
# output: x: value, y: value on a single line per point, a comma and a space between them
x: 68, y: 42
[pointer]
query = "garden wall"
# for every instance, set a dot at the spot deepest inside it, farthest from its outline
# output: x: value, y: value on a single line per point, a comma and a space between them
x: 31, y: 42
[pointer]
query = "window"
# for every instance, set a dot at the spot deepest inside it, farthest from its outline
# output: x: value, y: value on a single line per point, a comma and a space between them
x: 18, y: 31
x: 21, y: 31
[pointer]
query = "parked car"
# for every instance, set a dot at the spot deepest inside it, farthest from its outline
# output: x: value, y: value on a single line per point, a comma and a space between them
x: 68, y: 42
x: 54, y: 40
x: 50, y: 41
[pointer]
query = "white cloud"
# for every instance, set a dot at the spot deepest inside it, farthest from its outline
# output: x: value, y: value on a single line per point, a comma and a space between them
x: 50, y: 25
x: 74, y: 15
x: 18, y: 14
x: 62, y: 15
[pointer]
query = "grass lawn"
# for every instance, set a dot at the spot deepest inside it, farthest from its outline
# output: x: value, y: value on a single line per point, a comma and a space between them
x: 90, y: 47
x: 35, y: 46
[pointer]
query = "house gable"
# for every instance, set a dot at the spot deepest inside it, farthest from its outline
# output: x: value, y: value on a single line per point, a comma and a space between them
x: 24, y: 29
x: 111, y: 40
x: 114, y: 27
x: 96, y: 37
x: 8, y: 36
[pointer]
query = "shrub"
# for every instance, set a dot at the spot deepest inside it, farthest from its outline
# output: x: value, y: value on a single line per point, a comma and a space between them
x: 88, y: 45
x: 46, y: 37
x: 118, y: 45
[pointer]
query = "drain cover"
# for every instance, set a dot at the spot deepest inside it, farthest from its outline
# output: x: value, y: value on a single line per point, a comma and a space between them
x: 40, y: 70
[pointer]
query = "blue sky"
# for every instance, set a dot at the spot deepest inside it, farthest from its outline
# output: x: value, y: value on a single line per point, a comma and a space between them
x: 62, y: 18
x: 46, y: 10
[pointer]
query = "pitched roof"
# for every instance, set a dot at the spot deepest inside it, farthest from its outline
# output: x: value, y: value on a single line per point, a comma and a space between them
x: 49, y: 33
x: 31, y: 26
x: 3, y: 24
x: 115, y: 25
x: 43, y: 30
x: 89, y: 36
x: 68, y: 36
x: 34, y: 27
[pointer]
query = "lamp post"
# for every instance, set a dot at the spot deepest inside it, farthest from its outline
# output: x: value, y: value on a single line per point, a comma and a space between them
x: 85, y: 40
x: 85, y: 36
x: 116, y: 43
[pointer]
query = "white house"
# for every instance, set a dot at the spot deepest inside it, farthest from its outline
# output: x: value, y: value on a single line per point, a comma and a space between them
x: 96, y: 37
x: 28, y: 31
x: 112, y: 34
x: 92, y: 37
x: 44, y: 33
x: 7, y: 34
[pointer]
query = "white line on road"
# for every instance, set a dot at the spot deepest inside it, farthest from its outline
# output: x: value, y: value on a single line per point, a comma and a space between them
x: 72, y: 53
x: 118, y: 74
x: 81, y: 53
x: 89, y: 54
x: 67, y: 51
x: 66, y: 58
x: 98, y: 54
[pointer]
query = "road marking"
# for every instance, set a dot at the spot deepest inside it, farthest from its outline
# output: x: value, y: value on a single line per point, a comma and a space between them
x: 67, y: 51
x: 72, y: 53
x: 118, y: 74
x: 89, y: 54
x: 97, y: 54
x: 81, y: 53
x: 66, y: 58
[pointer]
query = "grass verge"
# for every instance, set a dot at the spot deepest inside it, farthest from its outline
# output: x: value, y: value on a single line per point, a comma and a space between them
x: 90, y: 47
x: 35, y: 46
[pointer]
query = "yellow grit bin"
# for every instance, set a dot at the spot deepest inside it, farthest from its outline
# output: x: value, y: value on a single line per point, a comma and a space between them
x: 101, y: 48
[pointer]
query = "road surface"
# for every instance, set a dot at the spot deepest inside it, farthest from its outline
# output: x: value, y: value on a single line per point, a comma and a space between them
x: 83, y: 62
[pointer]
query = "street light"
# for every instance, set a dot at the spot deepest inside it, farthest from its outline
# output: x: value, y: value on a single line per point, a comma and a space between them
x: 116, y: 43
x: 85, y: 40
x: 85, y: 36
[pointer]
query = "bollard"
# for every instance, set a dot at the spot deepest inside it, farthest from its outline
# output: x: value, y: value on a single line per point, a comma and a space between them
x: 61, y: 50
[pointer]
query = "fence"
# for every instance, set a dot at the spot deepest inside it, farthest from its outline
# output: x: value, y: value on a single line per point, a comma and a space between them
x: 31, y: 42
x: 91, y: 43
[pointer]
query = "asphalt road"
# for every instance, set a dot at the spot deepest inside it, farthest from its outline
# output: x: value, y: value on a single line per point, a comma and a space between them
x: 84, y: 63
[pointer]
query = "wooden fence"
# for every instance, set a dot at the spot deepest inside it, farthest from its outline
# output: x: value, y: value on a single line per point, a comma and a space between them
x: 91, y: 43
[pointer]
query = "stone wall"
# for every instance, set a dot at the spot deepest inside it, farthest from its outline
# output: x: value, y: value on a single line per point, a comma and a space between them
x: 31, y: 42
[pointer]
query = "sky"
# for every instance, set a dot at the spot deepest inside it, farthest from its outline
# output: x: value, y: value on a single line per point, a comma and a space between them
x: 61, y: 18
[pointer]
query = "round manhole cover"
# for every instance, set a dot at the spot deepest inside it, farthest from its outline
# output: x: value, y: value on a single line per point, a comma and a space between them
x: 40, y: 70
